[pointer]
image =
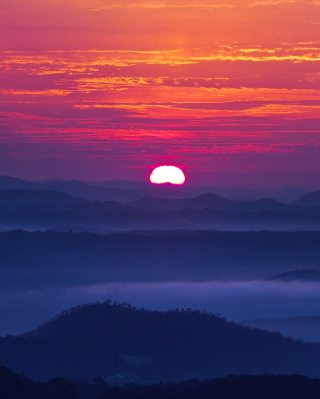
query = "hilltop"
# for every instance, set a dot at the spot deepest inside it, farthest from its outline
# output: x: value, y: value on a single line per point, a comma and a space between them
x: 119, y: 340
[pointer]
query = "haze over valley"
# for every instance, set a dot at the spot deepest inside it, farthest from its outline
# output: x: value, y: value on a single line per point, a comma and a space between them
x: 242, y: 258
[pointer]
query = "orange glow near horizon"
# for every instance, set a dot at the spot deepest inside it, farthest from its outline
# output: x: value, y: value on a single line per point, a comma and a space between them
x: 167, y: 174
x: 100, y: 90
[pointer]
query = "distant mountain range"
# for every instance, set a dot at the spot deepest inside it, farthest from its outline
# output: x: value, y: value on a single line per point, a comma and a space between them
x: 75, y: 188
x: 126, y: 191
x: 212, y: 201
x: 309, y: 200
x: 33, y: 209
x: 115, y: 339
x: 36, y: 200
x: 287, y: 195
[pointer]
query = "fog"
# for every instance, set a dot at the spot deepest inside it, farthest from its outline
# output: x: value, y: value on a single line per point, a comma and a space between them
x: 21, y: 311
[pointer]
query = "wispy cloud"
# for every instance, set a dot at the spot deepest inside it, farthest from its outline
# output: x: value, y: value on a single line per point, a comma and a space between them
x: 167, y: 77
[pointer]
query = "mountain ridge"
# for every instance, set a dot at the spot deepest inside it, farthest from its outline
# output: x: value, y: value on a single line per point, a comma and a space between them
x: 108, y: 338
x: 214, y: 201
x: 139, y: 189
x: 309, y: 200
x: 47, y: 209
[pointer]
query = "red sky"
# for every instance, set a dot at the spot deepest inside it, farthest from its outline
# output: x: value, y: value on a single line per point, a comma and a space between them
x: 229, y: 90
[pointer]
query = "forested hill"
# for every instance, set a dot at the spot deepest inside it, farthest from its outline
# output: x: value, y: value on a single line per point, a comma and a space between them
x: 115, y: 339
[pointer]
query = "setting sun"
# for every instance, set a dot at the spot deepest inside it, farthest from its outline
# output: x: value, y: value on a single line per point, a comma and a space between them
x: 167, y: 174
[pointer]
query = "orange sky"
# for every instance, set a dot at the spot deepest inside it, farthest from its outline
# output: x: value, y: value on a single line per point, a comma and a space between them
x: 96, y: 89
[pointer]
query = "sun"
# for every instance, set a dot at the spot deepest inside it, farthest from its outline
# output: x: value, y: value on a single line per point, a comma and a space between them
x: 167, y: 174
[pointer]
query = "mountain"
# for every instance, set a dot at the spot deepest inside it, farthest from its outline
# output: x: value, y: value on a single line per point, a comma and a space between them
x: 241, y: 221
x: 231, y: 387
x: 47, y: 209
x: 9, y: 183
x: 306, y: 328
x: 34, y: 209
x: 75, y: 188
x: 16, y: 386
x: 27, y: 200
x: 83, y: 190
x: 122, y: 184
x: 309, y: 200
x: 127, y: 190
x: 212, y: 201
x: 287, y: 195
x: 115, y: 339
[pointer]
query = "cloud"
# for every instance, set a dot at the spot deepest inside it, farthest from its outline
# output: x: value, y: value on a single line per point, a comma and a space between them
x: 133, y: 82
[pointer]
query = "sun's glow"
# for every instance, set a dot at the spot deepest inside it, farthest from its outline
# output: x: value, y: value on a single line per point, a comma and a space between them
x: 167, y: 174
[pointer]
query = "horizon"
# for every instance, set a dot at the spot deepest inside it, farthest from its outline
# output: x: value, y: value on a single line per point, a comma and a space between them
x: 185, y: 185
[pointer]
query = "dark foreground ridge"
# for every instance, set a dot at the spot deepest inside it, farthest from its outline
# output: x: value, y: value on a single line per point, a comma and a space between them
x: 15, y: 386
x: 116, y: 341
x: 231, y: 387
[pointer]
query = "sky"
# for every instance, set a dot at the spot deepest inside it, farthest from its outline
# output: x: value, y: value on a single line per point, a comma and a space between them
x: 228, y: 90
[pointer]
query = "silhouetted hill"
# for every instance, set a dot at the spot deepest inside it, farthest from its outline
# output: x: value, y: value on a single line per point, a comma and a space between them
x: 125, y: 191
x: 75, y: 188
x: 36, y: 200
x: 212, y: 201
x: 231, y: 387
x: 47, y: 209
x: 190, y: 218
x: 9, y: 183
x: 79, y: 189
x: 306, y: 328
x: 48, y: 206
x: 108, y: 339
x: 309, y: 200
x: 15, y: 386
x: 100, y: 208
x: 287, y: 195
x: 43, y: 209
